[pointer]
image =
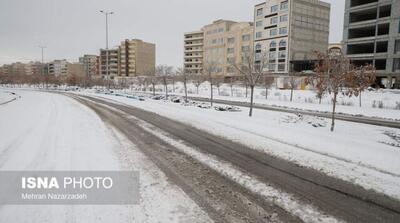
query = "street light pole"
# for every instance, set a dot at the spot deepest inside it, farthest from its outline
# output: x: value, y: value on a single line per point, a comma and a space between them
x: 42, y: 70
x: 42, y: 48
x: 106, y: 13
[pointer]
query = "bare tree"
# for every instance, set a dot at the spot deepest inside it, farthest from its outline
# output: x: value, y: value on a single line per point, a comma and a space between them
x: 218, y: 81
x: 364, y: 77
x: 268, y: 81
x: 252, y: 68
x: 210, y: 68
x: 197, y: 81
x: 164, y: 72
x: 184, y: 74
x: 293, y: 84
x: 335, y: 74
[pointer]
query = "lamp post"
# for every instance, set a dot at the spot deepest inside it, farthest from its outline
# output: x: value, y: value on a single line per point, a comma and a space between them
x: 106, y: 13
x: 42, y: 70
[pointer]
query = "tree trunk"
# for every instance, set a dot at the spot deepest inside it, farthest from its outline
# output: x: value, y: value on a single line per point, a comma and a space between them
x: 333, y: 112
x: 246, y: 90
x: 154, y: 89
x: 231, y: 90
x: 173, y: 85
x: 291, y: 94
x: 266, y: 93
x: 360, y: 99
x: 251, y: 100
x: 211, y: 91
x: 219, y: 93
x: 197, y: 89
x: 185, y: 86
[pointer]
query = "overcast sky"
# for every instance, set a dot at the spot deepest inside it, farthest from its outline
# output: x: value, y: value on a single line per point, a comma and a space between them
x: 71, y: 28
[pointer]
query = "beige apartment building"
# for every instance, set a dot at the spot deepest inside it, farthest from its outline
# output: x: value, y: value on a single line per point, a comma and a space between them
x: 112, y: 61
x: 90, y: 65
x: 136, y: 58
x: 289, y: 32
x: 193, y: 52
x: 222, y: 43
x: 131, y: 59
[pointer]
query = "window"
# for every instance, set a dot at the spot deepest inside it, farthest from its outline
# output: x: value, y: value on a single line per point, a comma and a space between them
x: 259, y: 23
x: 272, y: 55
x: 259, y: 12
x: 283, y: 31
x: 245, y: 48
x: 282, y: 55
x: 274, y: 8
x: 284, y: 18
x: 246, y: 37
x: 230, y: 60
x: 397, y: 46
x: 284, y: 5
x: 281, y: 67
x: 258, y: 47
x: 282, y: 43
x: 271, y: 67
x: 231, y: 50
x: 259, y: 35
x: 274, y: 20
x: 231, y: 40
x: 273, y: 32
x: 272, y: 44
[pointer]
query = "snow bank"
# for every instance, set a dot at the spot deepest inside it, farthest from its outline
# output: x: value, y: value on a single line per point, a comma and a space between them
x: 354, y: 152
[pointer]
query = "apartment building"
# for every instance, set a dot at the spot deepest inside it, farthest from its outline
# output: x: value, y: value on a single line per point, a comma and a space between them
x: 223, y: 43
x: 76, y: 69
x: 288, y: 32
x: 90, y: 65
x: 193, y: 52
x: 372, y: 36
x: 110, y: 57
x: 57, y: 68
x: 136, y: 58
x: 33, y: 68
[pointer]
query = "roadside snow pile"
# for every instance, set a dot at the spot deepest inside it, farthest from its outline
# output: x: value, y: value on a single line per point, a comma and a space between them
x: 7, y: 97
x: 395, y: 138
x: 227, y: 108
x: 314, y: 121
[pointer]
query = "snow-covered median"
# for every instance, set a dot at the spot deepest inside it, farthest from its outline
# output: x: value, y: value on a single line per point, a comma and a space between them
x: 359, y: 153
x: 45, y: 131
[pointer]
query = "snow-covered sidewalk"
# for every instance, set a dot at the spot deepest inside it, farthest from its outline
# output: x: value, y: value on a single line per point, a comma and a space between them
x: 381, y: 103
x: 45, y: 131
x: 363, y: 154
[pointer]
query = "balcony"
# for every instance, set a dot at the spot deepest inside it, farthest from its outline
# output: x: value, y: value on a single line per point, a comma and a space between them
x: 362, y: 3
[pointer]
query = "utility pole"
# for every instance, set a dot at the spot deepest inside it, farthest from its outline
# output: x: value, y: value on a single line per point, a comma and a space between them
x: 42, y: 70
x: 106, y: 13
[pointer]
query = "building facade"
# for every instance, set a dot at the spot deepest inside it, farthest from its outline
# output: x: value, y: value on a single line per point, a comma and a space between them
x: 136, y: 58
x: 193, y: 52
x: 57, y: 68
x: 372, y: 36
x: 289, y: 32
x: 223, y: 42
x: 110, y: 57
x: 90, y: 65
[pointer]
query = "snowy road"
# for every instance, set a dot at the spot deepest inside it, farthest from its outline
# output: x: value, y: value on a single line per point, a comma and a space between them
x: 43, y: 131
x: 329, y: 198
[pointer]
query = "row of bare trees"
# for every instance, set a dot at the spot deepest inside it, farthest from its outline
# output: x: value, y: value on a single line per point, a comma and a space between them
x: 333, y: 75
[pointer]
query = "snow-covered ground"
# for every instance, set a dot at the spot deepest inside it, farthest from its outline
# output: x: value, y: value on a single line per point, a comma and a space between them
x: 7, y: 97
x: 363, y: 154
x: 44, y: 131
x: 380, y: 103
